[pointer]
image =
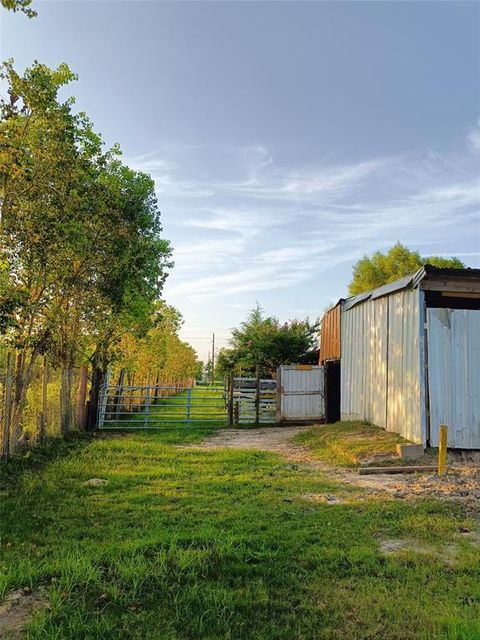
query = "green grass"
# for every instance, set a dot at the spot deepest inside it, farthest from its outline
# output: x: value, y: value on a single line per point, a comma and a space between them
x: 348, y: 444
x: 220, y: 545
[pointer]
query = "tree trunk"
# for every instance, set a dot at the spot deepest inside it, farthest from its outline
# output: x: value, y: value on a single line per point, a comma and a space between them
x: 99, y: 372
x: 42, y: 416
x: 80, y: 414
x: 66, y: 409
x: 7, y: 408
x: 19, y: 370
x: 97, y: 379
x: 24, y: 377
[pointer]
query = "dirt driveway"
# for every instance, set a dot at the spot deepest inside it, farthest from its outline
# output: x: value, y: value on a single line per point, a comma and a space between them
x: 461, y: 483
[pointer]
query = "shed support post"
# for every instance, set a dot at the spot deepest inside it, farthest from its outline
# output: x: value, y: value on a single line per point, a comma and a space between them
x: 442, y: 450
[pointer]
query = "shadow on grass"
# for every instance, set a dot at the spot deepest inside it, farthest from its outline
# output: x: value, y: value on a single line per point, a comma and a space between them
x: 36, y: 458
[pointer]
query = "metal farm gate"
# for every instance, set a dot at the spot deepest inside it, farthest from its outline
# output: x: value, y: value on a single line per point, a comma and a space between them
x: 296, y: 396
x: 161, y: 406
x: 240, y: 401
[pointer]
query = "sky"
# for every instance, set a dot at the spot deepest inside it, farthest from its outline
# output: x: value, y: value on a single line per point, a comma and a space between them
x: 286, y: 139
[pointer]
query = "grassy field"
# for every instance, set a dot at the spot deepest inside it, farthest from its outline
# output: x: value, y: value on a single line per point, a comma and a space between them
x: 226, y: 545
x: 348, y: 444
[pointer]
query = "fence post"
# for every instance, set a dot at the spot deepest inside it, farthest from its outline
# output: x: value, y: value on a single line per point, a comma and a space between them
x: 257, y: 396
x: 442, y: 450
x: 7, y: 409
x: 230, y: 399
x: 237, y: 412
x: 147, y: 406
x: 189, y: 404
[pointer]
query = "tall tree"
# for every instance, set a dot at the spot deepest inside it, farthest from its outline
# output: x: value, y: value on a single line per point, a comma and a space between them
x: 81, y: 249
x: 373, y: 271
x: 40, y: 172
x: 264, y: 342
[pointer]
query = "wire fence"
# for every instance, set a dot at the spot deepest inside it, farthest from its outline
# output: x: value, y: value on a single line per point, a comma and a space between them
x: 39, y: 401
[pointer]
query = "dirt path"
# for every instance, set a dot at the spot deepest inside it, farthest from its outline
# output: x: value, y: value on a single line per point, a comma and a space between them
x: 461, y: 483
x: 279, y: 440
x: 16, y: 610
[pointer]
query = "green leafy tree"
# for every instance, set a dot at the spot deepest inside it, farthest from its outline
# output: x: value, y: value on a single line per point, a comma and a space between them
x: 40, y: 146
x: 159, y: 355
x: 373, y: 271
x: 82, y: 257
x: 262, y: 341
x: 136, y: 264
x: 20, y: 5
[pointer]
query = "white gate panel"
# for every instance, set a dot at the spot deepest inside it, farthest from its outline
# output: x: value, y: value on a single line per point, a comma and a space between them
x: 301, y: 393
x: 454, y: 376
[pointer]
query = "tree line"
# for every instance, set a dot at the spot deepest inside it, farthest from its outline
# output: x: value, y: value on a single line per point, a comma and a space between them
x: 82, y: 256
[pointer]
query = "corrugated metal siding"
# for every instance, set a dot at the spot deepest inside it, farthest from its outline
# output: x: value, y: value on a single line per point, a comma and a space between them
x: 381, y: 362
x: 454, y: 376
x: 363, y: 365
x: 330, y: 335
x: 302, y: 392
x: 403, y: 395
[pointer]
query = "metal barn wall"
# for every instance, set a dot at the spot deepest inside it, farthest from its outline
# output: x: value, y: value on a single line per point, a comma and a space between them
x: 301, y: 392
x: 363, y: 364
x: 330, y: 335
x: 454, y: 376
x: 380, y: 366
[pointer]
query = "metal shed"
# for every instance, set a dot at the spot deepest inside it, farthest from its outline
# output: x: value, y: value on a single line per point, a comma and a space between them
x: 410, y: 356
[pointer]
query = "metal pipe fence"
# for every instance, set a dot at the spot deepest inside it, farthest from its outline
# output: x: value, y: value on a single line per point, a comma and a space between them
x: 161, y: 406
x: 240, y: 401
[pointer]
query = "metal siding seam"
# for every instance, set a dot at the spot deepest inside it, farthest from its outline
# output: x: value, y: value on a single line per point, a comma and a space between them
x: 422, y: 367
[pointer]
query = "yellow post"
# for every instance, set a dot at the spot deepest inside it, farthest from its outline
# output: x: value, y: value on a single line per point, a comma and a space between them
x: 442, y: 450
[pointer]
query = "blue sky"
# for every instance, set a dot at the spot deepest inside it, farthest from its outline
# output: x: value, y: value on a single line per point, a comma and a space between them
x: 286, y: 139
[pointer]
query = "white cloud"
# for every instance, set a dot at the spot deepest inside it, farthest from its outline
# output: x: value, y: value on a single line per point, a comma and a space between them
x: 275, y: 227
x: 473, y: 138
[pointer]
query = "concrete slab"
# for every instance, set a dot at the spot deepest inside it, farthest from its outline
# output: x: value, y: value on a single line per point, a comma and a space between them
x: 409, y: 451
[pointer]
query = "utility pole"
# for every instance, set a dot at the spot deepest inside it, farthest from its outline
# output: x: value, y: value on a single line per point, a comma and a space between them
x: 213, y: 358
